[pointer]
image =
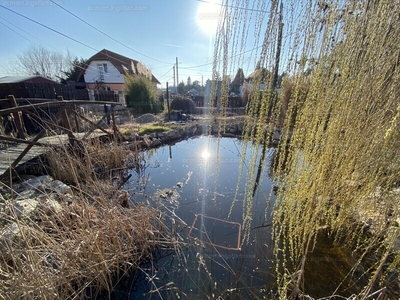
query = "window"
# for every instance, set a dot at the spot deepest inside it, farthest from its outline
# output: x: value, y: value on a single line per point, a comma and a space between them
x: 100, y: 68
x: 105, y: 68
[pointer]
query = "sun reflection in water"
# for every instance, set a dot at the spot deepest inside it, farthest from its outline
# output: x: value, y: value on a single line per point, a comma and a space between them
x: 205, y: 154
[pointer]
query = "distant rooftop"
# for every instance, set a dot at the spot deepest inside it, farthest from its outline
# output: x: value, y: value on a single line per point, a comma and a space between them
x: 17, y: 79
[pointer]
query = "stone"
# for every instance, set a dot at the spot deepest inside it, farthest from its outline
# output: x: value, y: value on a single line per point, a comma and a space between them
x: 147, y: 118
x: 57, y: 187
x: 49, y: 206
x: 146, y: 140
x: 156, y: 143
x: 42, y: 194
x: 192, y: 129
x: 25, y: 208
x: 32, y: 184
x: 172, y: 134
x: 39, y: 186
x: 7, y: 236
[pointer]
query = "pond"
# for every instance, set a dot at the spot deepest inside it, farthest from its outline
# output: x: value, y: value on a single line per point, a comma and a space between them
x: 201, y: 185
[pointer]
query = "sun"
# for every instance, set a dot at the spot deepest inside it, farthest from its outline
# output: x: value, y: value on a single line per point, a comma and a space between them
x: 207, y: 15
x: 205, y: 154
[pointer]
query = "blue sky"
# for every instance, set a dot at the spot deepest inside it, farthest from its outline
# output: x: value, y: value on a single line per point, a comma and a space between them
x: 155, y: 32
x: 162, y: 30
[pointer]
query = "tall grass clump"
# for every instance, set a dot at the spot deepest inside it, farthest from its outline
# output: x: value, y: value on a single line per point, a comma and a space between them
x: 81, y: 251
x: 83, y: 246
x: 338, y: 159
x: 91, y: 163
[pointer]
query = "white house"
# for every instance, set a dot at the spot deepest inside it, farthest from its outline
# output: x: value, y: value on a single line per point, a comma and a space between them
x: 105, y: 72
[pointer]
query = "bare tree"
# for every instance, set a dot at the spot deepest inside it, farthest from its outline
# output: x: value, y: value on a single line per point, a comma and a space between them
x: 37, y: 60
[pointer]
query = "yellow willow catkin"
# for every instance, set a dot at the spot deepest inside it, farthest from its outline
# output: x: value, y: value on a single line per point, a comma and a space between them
x: 338, y: 161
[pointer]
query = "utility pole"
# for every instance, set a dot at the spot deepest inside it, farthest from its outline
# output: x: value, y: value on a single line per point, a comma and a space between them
x: 174, y: 78
x: 177, y: 78
x: 278, y: 50
x: 169, y: 115
x: 274, y: 99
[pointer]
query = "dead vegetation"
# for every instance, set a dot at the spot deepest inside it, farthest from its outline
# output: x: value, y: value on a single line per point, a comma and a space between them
x: 95, y: 237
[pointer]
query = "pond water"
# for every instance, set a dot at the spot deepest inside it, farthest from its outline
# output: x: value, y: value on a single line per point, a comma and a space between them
x: 195, y: 182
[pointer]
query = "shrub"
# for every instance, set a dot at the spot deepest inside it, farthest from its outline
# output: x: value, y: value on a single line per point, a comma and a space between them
x: 184, y: 104
x: 141, y: 95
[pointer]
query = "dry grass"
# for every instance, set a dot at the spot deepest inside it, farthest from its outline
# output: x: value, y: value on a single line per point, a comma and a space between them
x: 89, y: 164
x: 86, y: 247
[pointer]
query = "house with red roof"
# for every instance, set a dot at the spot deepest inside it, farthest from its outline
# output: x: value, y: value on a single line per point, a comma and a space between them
x: 105, y: 71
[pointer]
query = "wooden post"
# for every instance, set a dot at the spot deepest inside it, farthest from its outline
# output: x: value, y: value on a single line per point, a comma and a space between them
x: 115, y: 129
x: 17, y: 118
x: 117, y: 134
x: 76, y: 118
x: 66, y: 123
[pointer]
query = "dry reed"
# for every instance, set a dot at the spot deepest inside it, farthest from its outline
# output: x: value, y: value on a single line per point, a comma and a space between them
x: 83, y: 249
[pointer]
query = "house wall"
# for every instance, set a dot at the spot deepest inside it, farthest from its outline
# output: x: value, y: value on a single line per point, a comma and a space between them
x: 112, y: 86
x: 111, y: 76
x: 118, y: 88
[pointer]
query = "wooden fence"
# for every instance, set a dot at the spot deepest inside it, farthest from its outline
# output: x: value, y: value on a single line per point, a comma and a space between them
x: 233, y: 102
x: 52, y: 91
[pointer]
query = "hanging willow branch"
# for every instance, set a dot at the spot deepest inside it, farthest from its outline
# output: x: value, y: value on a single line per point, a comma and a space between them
x: 337, y: 108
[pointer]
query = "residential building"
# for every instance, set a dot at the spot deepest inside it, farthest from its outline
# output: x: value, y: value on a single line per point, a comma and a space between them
x: 237, y: 83
x: 105, y: 71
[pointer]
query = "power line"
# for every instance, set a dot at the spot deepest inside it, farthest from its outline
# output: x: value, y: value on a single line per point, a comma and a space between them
x: 165, y: 73
x: 107, y: 35
x: 72, y: 63
x: 58, y: 32
x: 49, y: 28
x: 207, y: 64
x: 18, y: 33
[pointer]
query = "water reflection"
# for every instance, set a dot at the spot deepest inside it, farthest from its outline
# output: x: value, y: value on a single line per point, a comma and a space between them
x: 205, y: 154
x: 196, y: 182
x: 203, y: 195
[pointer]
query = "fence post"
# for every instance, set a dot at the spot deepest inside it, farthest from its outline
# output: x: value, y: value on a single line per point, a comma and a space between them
x: 17, y: 117
x: 66, y: 123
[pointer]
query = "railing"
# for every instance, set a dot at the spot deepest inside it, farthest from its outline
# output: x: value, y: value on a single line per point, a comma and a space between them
x: 62, y: 109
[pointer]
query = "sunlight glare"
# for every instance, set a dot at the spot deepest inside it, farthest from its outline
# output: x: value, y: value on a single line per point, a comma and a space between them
x: 205, y: 154
x: 208, y: 15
